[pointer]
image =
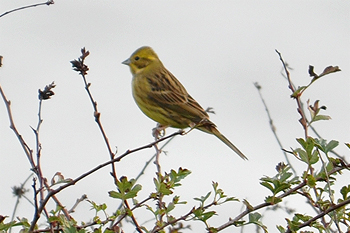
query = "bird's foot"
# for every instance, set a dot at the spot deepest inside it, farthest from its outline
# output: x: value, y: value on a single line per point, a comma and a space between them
x: 159, y: 131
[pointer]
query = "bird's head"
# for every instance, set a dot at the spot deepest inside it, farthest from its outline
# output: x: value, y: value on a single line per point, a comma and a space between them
x: 141, y: 58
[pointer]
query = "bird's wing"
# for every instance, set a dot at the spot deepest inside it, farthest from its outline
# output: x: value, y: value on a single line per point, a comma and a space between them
x: 170, y: 94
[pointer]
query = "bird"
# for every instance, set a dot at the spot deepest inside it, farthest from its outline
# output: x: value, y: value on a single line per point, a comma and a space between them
x: 161, y: 96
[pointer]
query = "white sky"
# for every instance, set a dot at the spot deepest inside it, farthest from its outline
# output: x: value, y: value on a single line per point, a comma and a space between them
x: 216, y: 49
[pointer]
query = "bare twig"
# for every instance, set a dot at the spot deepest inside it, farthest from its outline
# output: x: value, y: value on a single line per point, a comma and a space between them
x: 273, y: 128
x: 26, y: 148
x: 80, y: 66
x: 82, y: 198
x: 152, y: 158
x: 48, y: 3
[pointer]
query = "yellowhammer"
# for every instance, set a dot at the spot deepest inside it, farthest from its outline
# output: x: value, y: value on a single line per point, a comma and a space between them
x: 163, y: 98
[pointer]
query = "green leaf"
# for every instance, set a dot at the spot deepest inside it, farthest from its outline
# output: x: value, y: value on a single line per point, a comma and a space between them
x: 302, y: 154
x: 285, y: 176
x: 164, y: 189
x: 321, y: 117
x: 314, y: 157
x: 302, y: 142
x: 170, y: 207
x: 308, y: 154
x: 254, y: 217
x: 311, y: 181
x: 298, y: 91
x: 281, y: 229
x: 248, y: 205
x: 115, y: 194
x: 326, y: 147
x: 231, y: 199
x: 133, y: 192
x: 202, y: 198
x: 126, y: 189
x: 267, y: 185
x: 273, y: 200
x: 201, y: 215
x: 345, y: 191
x: 331, y: 145
x: 205, y: 216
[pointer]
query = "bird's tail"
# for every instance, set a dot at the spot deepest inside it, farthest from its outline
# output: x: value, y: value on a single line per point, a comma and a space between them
x: 208, y: 128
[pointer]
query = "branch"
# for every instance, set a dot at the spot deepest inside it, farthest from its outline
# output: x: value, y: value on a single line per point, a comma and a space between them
x: 303, y: 119
x: 26, y: 148
x: 82, y: 68
x: 49, y: 2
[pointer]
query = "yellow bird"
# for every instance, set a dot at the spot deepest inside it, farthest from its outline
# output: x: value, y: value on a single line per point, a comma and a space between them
x: 164, y: 99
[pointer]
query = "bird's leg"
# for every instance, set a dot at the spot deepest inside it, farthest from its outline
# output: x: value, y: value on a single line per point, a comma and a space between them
x: 159, y: 131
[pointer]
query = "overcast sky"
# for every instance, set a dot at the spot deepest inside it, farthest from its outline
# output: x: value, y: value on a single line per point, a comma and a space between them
x: 216, y: 49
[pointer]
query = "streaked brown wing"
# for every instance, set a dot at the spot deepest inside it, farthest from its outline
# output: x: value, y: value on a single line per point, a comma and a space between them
x: 170, y: 94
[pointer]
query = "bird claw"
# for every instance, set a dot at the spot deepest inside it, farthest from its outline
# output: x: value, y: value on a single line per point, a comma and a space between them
x: 158, y: 131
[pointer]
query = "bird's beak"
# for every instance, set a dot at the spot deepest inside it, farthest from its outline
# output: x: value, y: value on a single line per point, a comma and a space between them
x: 126, y: 62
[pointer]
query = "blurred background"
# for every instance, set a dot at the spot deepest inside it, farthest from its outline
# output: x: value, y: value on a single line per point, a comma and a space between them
x: 216, y: 49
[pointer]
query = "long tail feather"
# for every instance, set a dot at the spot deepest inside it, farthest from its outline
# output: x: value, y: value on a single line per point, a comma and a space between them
x: 213, y: 130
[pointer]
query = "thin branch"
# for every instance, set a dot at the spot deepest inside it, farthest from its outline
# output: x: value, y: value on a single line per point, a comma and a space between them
x: 303, y: 119
x: 26, y: 148
x: 151, y: 159
x: 78, y: 201
x: 273, y: 128
x: 48, y: 3
x: 82, y: 68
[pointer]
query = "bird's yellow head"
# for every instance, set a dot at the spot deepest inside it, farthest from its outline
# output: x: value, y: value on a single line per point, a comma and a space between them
x: 141, y: 58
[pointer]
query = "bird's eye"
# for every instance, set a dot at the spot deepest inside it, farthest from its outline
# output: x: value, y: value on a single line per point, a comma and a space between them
x: 137, y: 58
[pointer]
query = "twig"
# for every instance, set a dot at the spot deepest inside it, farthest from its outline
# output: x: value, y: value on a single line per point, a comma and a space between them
x: 38, y: 155
x: 151, y: 159
x: 82, y: 198
x: 26, y: 148
x: 272, y: 126
x: 146, y: 146
x: 82, y: 68
x: 49, y: 2
x: 303, y: 119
